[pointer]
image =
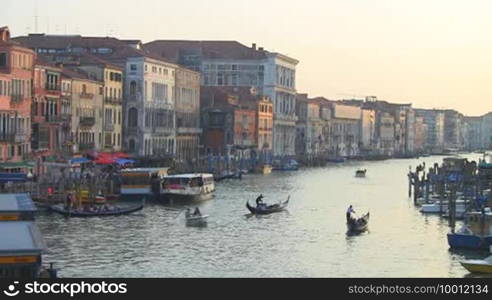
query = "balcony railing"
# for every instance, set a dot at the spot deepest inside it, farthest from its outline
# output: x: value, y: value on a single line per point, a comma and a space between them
x: 113, y: 100
x: 52, y: 87
x: 108, y: 126
x: 86, y: 146
x: 162, y: 130
x: 87, y: 121
x: 86, y: 96
x: 53, y: 118
x: 8, y: 137
x: 16, y: 97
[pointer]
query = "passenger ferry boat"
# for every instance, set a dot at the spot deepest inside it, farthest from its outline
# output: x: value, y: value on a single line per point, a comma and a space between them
x: 192, y: 187
x: 141, y: 182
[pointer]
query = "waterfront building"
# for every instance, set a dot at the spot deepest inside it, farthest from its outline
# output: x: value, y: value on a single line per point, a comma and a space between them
x: 87, y: 110
x: 46, y: 115
x: 486, y: 131
x: 264, y: 125
x: 420, y: 137
x: 386, y: 133
x: 473, y: 133
x: 229, y: 120
x: 368, y: 131
x: 148, y: 92
x: 16, y: 76
x: 434, y: 119
x: 187, y: 108
x: 66, y: 138
x: 309, y: 138
x: 345, y: 130
x: 453, y: 130
x: 229, y: 63
x: 112, y: 77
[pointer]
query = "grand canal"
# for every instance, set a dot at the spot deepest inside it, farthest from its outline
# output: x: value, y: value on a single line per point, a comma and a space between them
x: 307, y: 241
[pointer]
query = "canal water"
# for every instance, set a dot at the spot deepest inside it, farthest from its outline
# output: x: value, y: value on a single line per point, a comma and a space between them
x: 308, y: 240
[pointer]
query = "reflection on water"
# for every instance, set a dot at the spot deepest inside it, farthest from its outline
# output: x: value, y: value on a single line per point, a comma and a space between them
x: 308, y: 240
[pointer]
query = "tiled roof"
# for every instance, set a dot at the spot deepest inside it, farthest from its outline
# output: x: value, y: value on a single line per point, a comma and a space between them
x: 173, y: 49
x: 120, y: 49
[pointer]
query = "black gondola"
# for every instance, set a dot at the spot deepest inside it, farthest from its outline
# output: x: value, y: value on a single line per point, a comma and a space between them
x: 358, y: 225
x: 113, y: 212
x: 268, y: 209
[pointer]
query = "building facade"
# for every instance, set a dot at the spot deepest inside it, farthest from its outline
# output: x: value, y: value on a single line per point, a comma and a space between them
x: 187, y: 108
x: 16, y: 77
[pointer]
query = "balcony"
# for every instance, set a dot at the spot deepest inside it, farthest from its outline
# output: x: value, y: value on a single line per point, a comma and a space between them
x: 52, y: 87
x: 86, y: 146
x: 86, y: 96
x: 16, y: 97
x: 53, y: 118
x: 14, y: 138
x: 113, y: 100
x: 165, y: 130
x: 108, y: 126
x: 189, y: 130
x: 87, y: 121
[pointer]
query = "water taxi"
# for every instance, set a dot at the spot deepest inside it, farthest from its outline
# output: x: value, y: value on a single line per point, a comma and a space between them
x: 16, y: 207
x: 193, y: 186
x: 141, y: 182
x: 21, y: 248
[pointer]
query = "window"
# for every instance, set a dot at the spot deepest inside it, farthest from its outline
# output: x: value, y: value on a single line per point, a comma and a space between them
x: 132, y: 117
x: 3, y: 59
x: 133, y: 89
x: 133, y: 67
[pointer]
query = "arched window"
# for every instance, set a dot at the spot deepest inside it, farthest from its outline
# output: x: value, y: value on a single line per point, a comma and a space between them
x: 133, y: 89
x: 131, y: 145
x: 132, y: 117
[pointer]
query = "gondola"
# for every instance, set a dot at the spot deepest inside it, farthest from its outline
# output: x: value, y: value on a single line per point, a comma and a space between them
x: 268, y: 209
x: 79, y: 213
x: 358, y: 225
x: 360, y: 173
x: 194, y: 220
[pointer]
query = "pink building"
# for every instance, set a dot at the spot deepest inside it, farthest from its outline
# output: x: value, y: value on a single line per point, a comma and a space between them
x: 16, y: 75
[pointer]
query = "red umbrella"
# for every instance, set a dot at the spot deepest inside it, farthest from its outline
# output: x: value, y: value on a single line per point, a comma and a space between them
x: 104, y: 160
x: 121, y: 155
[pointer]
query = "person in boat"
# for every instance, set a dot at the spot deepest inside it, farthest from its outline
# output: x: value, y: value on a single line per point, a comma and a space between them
x: 68, y: 203
x: 350, y: 211
x: 259, y: 202
x: 188, y: 212
x: 197, y: 212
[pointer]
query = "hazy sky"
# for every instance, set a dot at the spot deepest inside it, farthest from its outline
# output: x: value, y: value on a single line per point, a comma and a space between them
x: 433, y: 53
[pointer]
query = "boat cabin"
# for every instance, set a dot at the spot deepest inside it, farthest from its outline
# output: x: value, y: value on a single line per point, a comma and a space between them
x: 140, y: 181
x: 16, y: 207
x: 480, y: 223
x: 188, y: 184
x: 21, y: 246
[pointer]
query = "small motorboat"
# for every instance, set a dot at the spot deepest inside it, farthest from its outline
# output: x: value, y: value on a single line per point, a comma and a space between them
x: 96, y: 212
x: 195, y: 219
x: 483, y: 266
x: 268, y: 209
x: 360, y: 173
x: 356, y: 225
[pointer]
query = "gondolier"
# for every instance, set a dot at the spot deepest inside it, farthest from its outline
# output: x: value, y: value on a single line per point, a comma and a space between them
x: 350, y: 211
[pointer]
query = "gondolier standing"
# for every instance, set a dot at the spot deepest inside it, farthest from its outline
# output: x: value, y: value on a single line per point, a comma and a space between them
x: 350, y: 210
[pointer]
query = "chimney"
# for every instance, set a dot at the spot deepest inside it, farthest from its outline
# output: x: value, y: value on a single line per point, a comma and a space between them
x: 4, y: 34
x: 261, y: 49
x: 253, y: 46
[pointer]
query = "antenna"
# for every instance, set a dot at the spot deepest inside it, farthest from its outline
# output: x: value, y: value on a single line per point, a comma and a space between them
x: 36, y: 17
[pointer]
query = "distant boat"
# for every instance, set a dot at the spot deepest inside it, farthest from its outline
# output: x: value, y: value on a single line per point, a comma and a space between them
x: 336, y: 159
x: 196, y: 220
x: 290, y: 165
x: 264, y: 169
x: 483, y: 266
x: 59, y: 208
x: 475, y: 234
x: 268, y: 209
x: 358, y: 225
x: 360, y: 173
x: 188, y: 187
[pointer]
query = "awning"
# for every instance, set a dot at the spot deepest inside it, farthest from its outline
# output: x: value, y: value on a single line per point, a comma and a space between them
x: 17, y: 165
x: 79, y: 160
x: 123, y: 161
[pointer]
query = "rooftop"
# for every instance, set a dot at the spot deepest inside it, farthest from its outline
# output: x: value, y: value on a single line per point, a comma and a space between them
x: 16, y: 203
x: 20, y: 237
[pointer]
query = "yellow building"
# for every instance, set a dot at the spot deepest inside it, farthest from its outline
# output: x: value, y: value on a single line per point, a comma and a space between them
x: 112, y: 76
x: 87, y: 111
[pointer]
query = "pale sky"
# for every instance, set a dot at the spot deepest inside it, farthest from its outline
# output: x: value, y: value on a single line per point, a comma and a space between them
x: 432, y: 53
